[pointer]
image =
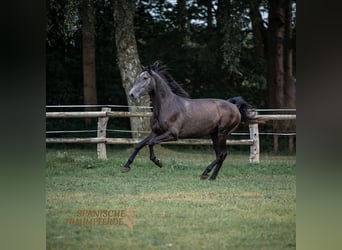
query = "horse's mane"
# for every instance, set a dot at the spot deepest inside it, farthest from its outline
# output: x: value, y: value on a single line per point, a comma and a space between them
x: 162, y: 70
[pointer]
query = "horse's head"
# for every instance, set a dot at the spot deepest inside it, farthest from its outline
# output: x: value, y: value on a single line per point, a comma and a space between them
x: 152, y: 76
x: 143, y: 84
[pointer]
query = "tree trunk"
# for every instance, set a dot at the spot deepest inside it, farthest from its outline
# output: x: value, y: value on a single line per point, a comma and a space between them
x: 224, y: 25
x: 258, y: 28
x: 209, y: 5
x: 290, y: 88
x: 275, y: 79
x: 277, y: 42
x: 128, y: 60
x: 88, y: 42
x: 229, y: 28
x: 183, y: 22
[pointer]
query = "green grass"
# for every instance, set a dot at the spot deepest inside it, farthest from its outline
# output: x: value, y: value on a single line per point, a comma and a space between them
x: 247, y: 207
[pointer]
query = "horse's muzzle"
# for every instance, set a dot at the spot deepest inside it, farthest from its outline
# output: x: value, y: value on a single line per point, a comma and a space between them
x: 132, y: 95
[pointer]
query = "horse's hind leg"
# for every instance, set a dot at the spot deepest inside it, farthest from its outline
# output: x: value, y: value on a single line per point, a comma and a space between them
x: 205, y: 174
x: 153, y: 158
x: 218, y: 166
x: 221, y: 150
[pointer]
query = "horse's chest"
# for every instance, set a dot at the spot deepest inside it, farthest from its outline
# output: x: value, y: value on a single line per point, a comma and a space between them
x: 160, y: 125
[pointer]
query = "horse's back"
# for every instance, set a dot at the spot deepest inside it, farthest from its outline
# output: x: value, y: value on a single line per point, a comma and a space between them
x: 220, y: 106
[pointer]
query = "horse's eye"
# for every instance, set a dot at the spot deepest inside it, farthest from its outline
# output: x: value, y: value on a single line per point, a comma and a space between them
x: 145, y: 77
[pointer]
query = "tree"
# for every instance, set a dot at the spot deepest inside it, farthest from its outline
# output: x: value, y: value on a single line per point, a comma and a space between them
x: 88, y: 42
x: 128, y: 58
x: 230, y: 24
x: 290, y: 87
x: 277, y: 39
x: 258, y: 29
x: 183, y: 24
x: 275, y: 76
x: 209, y: 5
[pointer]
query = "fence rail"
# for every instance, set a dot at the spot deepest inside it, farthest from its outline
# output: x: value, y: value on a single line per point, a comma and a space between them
x: 103, y: 116
x: 97, y: 114
x: 136, y: 141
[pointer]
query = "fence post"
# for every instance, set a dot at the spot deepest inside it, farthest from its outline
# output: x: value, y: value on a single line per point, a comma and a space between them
x: 101, y: 133
x: 254, y: 156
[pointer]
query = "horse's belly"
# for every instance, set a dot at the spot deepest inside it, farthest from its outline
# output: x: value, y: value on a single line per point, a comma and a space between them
x: 198, y: 129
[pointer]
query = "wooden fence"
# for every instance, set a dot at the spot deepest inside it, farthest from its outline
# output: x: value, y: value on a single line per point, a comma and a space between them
x: 103, y: 116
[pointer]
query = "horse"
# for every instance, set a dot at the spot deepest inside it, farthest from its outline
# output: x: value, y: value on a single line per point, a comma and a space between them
x: 176, y: 115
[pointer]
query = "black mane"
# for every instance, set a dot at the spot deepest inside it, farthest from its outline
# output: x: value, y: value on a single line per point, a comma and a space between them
x: 162, y: 70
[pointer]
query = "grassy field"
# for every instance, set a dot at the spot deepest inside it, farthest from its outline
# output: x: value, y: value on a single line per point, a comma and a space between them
x: 247, y: 207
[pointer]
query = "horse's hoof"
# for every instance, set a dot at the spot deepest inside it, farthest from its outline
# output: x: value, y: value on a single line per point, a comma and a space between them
x: 204, y: 177
x: 125, y: 169
x: 159, y: 163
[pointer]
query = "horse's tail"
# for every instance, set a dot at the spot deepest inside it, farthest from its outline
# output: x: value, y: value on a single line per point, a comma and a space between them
x: 243, y: 107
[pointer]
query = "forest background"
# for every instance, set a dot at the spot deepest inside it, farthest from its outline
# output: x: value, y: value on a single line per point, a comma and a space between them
x: 217, y: 49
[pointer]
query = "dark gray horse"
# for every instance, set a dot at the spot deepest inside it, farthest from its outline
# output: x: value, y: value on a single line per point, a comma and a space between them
x: 175, y: 116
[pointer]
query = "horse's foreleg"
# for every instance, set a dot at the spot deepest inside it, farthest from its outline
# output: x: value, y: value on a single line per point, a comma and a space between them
x: 140, y: 145
x: 168, y: 136
x: 153, y: 158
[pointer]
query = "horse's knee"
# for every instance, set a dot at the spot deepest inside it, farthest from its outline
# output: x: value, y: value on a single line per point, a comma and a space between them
x: 151, y: 143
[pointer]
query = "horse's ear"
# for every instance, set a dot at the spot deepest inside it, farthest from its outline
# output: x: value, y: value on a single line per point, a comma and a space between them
x: 156, y: 64
x: 149, y: 70
x: 143, y: 68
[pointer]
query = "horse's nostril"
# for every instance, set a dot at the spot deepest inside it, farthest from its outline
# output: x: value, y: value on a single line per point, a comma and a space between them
x: 132, y: 96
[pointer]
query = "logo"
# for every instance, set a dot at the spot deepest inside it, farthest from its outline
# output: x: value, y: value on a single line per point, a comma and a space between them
x: 130, y: 217
x: 103, y: 217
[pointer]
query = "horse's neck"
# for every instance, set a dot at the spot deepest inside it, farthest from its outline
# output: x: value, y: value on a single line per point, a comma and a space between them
x: 162, y: 95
